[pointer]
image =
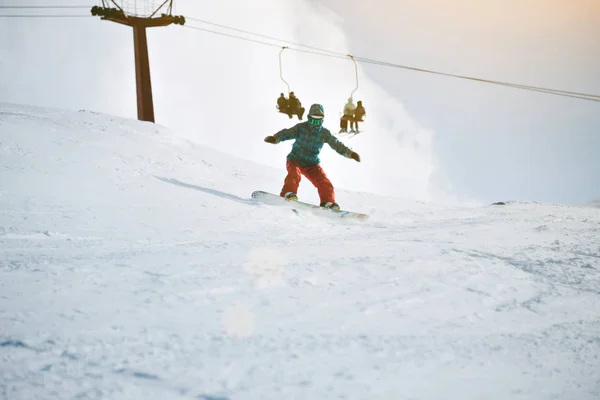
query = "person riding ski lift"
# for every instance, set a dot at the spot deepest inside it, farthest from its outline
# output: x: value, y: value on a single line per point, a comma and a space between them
x: 282, y: 104
x: 309, y: 138
x: 349, y: 108
x: 359, y: 113
x: 295, y: 107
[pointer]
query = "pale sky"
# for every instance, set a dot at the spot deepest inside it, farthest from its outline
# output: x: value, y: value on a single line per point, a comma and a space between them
x: 494, y: 142
x: 424, y: 133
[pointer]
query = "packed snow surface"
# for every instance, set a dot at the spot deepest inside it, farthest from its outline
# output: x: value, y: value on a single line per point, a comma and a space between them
x: 135, y: 265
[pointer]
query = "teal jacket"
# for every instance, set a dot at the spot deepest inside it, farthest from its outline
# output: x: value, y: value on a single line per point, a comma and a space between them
x: 309, y: 141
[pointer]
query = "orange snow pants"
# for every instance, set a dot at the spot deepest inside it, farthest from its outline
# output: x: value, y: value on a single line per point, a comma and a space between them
x: 314, y: 174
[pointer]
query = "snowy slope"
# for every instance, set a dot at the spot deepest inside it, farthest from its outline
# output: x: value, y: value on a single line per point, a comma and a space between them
x: 135, y: 266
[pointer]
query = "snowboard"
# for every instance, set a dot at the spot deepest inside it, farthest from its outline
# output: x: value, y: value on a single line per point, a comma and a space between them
x: 276, y: 200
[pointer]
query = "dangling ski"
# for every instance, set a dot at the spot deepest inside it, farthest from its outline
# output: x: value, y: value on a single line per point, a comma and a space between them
x: 349, y: 134
x: 275, y: 200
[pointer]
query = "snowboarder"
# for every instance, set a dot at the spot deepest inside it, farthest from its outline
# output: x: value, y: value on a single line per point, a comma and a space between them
x: 310, y: 136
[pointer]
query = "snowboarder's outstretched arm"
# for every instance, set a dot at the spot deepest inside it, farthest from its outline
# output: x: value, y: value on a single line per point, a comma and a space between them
x: 340, y: 147
x: 282, y: 135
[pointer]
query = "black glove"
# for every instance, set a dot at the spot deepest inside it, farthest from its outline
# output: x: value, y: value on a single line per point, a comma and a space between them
x: 272, y: 139
x: 353, y: 155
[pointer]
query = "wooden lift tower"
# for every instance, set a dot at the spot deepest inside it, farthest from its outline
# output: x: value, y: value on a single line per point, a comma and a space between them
x: 142, y: 64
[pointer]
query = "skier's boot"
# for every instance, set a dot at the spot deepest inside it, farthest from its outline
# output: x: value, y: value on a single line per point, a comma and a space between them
x: 331, y: 205
x: 290, y: 196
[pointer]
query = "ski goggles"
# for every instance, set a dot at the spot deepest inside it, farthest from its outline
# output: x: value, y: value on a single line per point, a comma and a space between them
x: 315, y: 122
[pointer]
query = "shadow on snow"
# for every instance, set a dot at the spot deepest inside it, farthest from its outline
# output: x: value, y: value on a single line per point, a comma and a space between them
x: 214, y: 192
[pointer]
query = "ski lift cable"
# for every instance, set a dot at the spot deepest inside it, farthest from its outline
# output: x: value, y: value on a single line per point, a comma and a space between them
x: 42, y: 7
x: 549, y: 91
x: 46, y: 16
x: 515, y: 85
x: 333, y: 54
x: 268, y: 37
x: 230, y: 35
